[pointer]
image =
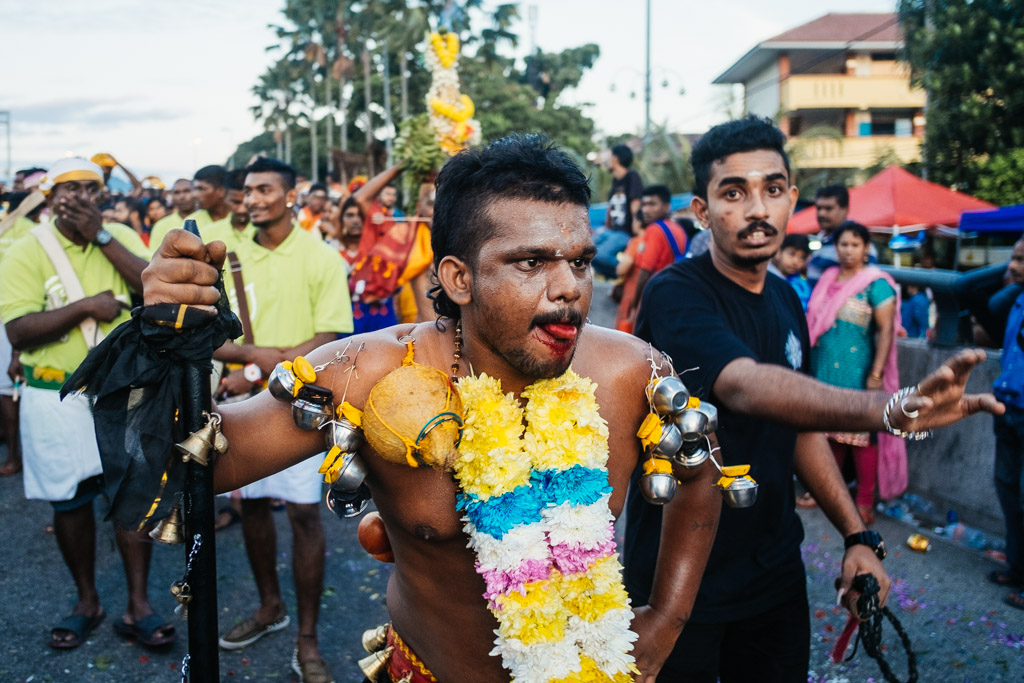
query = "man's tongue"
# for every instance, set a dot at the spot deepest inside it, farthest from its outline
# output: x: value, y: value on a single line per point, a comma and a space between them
x: 561, y: 331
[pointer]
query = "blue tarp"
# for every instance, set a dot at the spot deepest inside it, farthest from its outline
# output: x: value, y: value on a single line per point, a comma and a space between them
x: 598, y: 211
x: 1004, y: 219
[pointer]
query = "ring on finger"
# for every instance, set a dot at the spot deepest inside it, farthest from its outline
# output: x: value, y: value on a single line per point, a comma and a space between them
x: 912, y: 415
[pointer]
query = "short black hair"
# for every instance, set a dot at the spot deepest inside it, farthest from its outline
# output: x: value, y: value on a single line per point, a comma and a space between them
x: 515, y: 167
x: 624, y: 154
x: 854, y: 227
x: 30, y: 171
x: 660, y: 191
x: 268, y: 165
x: 798, y: 242
x: 236, y: 179
x: 839, y: 192
x: 733, y: 137
x: 350, y: 201
x: 213, y: 174
x: 316, y: 187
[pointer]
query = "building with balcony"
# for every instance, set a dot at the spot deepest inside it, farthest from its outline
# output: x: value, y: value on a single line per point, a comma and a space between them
x: 837, y: 82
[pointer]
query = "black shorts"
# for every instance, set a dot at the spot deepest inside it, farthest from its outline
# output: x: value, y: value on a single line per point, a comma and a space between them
x: 771, y: 647
x: 87, y: 491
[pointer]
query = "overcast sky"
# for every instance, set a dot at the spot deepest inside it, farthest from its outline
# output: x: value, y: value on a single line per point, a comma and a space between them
x: 166, y: 87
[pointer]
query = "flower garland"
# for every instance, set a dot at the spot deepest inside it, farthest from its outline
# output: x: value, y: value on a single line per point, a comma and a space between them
x: 536, y: 510
x: 450, y: 112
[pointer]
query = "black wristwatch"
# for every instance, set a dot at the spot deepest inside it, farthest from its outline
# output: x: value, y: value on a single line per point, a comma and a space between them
x: 871, y: 539
x: 102, y: 238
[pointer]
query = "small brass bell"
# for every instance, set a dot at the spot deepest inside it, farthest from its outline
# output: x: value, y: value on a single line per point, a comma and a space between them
x: 198, y: 444
x: 169, y: 529
x: 220, y: 442
x: 375, y: 638
x: 182, y: 610
x: 375, y: 664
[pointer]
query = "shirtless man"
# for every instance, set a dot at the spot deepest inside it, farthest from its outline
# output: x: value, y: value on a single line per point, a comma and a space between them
x: 512, y: 247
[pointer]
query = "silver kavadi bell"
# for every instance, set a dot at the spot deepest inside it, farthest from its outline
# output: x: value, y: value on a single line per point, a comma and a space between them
x: 345, y: 435
x: 691, y: 454
x: 348, y: 503
x: 282, y: 383
x: 741, y: 492
x: 668, y: 395
x: 310, y: 416
x: 658, y: 488
x: 712, y: 414
x: 670, y: 440
x: 352, y: 473
x: 692, y: 424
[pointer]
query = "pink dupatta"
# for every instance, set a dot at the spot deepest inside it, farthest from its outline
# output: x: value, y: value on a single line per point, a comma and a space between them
x: 821, y: 315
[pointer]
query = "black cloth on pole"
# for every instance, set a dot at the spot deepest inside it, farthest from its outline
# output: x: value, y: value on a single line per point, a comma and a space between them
x: 134, y: 380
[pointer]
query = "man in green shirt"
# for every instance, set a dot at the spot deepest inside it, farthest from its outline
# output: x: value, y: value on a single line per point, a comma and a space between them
x: 210, y: 185
x: 184, y: 202
x: 295, y: 291
x: 62, y: 287
x: 235, y: 229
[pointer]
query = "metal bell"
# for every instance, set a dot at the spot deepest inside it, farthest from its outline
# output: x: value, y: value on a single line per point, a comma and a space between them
x: 282, y: 383
x: 181, y: 610
x: 345, y: 435
x: 712, y: 414
x: 352, y: 474
x: 198, y: 444
x: 348, y: 503
x: 169, y: 529
x: 374, y: 639
x: 741, y: 492
x: 310, y: 416
x: 670, y: 440
x: 691, y: 454
x: 692, y: 424
x: 220, y: 442
x: 668, y: 395
x: 658, y: 488
x: 375, y: 664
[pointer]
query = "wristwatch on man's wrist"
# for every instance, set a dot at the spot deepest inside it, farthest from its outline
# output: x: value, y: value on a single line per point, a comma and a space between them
x: 871, y: 539
x: 102, y: 238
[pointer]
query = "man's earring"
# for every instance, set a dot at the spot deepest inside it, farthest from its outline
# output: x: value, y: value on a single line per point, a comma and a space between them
x: 289, y: 204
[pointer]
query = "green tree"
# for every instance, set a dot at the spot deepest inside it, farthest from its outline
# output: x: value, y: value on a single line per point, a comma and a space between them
x: 968, y: 55
x: 1000, y: 178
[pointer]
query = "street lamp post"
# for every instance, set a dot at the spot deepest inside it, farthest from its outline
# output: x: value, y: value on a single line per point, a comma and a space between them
x: 5, y: 118
x: 647, y: 79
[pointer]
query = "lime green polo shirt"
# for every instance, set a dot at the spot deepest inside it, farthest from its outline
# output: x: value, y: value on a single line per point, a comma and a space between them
x: 164, y: 226
x: 21, y: 227
x: 294, y: 292
x: 29, y: 284
x: 224, y: 231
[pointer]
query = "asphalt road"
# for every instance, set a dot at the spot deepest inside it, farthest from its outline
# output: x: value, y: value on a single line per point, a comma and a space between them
x: 956, y: 621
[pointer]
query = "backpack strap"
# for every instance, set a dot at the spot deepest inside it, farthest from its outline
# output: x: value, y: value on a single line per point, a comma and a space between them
x: 243, y: 303
x: 66, y: 273
x: 673, y: 245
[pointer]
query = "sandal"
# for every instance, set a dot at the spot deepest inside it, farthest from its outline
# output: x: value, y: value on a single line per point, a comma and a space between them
x: 1015, y: 600
x: 806, y: 502
x: 79, y: 626
x: 311, y: 670
x: 10, y: 468
x: 1005, y: 577
x: 226, y: 516
x: 147, y: 631
x: 249, y: 631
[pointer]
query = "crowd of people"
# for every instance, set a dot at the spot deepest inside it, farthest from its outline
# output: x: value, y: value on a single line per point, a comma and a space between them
x: 491, y: 276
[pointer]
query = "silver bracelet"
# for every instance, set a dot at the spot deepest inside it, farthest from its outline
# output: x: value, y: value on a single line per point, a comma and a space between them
x: 899, y: 397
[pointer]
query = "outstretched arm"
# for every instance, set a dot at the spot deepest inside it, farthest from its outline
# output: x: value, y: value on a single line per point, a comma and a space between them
x: 774, y: 393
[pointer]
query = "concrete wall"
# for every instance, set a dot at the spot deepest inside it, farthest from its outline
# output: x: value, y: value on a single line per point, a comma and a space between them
x: 953, y: 469
x: 762, y: 92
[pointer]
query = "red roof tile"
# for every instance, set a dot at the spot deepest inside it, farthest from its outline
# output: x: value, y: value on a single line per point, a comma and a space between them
x: 845, y: 28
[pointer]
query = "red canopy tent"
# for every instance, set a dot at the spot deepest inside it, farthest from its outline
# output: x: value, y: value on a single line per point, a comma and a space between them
x: 896, y: 197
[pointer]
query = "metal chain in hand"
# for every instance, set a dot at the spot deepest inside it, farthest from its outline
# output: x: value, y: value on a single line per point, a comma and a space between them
x: 870, y: 631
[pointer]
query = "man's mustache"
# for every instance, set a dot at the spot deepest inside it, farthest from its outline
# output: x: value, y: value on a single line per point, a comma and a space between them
x: 758, y: 226
x: 567, y: 316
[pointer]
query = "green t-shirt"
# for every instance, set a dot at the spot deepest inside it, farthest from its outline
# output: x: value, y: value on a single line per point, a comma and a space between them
x: 29, y: 284
x: 294, y: 292
x: 162, y: 227
x: 224, y: 231
x: 20, y: 228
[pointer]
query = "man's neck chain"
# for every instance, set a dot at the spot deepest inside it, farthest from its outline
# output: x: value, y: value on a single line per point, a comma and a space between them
x: 457, y: 353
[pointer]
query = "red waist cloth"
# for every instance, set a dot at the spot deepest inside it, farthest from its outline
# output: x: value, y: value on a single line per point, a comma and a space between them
x: 404, y: 662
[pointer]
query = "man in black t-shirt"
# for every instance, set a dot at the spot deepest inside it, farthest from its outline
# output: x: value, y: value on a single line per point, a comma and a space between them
x: 745, y: 332
x: 622, y: 219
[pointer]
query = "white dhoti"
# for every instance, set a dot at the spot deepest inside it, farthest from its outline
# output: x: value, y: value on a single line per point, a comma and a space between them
x: 58, y: 443
x: 300, y: 483
x: 6, y: 385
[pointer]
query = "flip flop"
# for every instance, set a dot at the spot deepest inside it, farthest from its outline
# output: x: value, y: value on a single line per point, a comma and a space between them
x: 232, y: 516
x: 78, y: 625
x: 10, y: 468
x: 1015, y: 600
x: 145, y: 631
x: 806, y: 502
x: 1003, y: 577
x: 249, y: 631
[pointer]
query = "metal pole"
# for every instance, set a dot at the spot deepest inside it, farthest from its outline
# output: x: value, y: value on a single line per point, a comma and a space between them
x: 388, y: 141
x: 204, y: 665
x: 7, y: 122
x: 647, y: 80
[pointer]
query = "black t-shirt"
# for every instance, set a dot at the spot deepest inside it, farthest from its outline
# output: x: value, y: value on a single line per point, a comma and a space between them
x: 704, y: 320
x: 624, y: 190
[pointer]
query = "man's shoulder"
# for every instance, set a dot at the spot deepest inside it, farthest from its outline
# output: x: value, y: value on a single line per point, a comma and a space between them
x: 25, y: 249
